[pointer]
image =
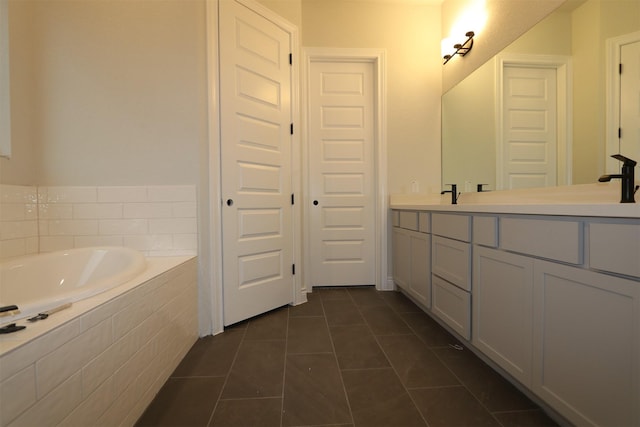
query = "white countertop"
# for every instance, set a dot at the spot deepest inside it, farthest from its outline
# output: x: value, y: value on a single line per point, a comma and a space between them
x: 599, y: 199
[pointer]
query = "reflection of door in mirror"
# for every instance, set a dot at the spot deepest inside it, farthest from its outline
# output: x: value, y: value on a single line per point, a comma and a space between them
x: 533, y: 135
x: 529, y: 118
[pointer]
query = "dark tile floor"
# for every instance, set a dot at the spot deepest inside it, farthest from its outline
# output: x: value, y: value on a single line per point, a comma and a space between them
x: 348, y: 357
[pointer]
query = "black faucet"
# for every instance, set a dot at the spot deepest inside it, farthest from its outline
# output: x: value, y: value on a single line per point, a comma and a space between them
x: 454, y: 193
x: 627, y: 177
x: 480, y: 189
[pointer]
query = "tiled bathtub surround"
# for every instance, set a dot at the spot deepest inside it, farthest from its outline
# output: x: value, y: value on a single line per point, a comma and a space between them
x: 157, y: 220
x: 105, y: 366
x: 18, y: 220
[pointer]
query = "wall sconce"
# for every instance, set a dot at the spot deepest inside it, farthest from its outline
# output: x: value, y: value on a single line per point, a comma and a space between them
x: 461, y: 48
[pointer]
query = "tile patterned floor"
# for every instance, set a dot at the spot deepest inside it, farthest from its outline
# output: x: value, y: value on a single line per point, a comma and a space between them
x: 348, y: 357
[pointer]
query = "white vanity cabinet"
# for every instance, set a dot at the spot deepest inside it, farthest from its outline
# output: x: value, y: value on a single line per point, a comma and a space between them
x: 586, y: 344
x: 411, y: 254
x: 568, y: 333
x: 451, y: 271
x: 503, y: 310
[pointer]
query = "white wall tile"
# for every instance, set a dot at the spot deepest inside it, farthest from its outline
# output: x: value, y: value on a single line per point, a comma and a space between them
x: 87, y: 241
x: 122, y: 194
x: 17, y: 393
x: 97, y: 210
x: 147, y: 210
x: 60, y: 364
x: 54, y: 407
x: 17, y: 194
x: 185, y: 241
x: 173, y: 226
x: 73, y: 227
x: 55, y: 243
x: 172, y: 193
x: 70, y: 194
x: 123, y: 226
x: 150, y: 242
x: 55, y: 211
x: 91, y: 407
x: 184, y: 210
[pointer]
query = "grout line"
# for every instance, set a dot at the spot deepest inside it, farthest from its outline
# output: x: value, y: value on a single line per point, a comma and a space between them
x: 335, y: 356
x: 284, y: 366
x: 226, y: 379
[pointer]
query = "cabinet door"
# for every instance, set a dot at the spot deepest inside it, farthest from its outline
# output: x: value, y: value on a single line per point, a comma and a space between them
x: 420, y: 284
x: 586, y: 344
x: 401, y: 256
x: 502, y: 309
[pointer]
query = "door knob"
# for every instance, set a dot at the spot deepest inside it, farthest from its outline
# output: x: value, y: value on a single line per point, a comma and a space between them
x: 315, y: 203
x: 229, y: 202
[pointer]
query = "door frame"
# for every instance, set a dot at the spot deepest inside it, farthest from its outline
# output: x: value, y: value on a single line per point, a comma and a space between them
x: 377, y: 57
x: 612, y: 113
x: 564, y: 81
x: 210, y: 289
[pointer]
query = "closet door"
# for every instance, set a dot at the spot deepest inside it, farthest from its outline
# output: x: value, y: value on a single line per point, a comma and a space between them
x: 255, y: 117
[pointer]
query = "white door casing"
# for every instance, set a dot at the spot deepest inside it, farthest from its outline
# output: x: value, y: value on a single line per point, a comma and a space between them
x: 623, y: 93
x: 256, y: 163
x: 341, y: 145
x: 533, y: 125
x: 315, y: 176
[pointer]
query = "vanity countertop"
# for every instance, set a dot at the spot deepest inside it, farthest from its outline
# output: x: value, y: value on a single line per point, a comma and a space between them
x: 600, y: 199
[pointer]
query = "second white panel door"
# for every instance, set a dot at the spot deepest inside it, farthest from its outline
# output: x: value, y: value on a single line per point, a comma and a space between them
x: 341, y: 173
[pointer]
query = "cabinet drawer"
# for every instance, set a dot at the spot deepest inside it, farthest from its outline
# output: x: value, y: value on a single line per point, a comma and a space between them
x: 451, y: 260
x: 453, y: 226
x: 552, y: 239
x: 395, y: 218
x: 452, y: 305
x: 423, y: 222
x: 615, y: 248
x: 409, y: 220
x: 485, y: 231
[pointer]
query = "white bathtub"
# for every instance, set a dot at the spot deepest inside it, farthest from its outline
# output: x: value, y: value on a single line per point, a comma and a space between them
x: 102, y: 360
x: 37, y: 283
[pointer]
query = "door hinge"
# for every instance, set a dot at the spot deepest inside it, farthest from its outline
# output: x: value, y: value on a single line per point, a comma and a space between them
x: 620, y: 68
x: 293, y: 199
x: 619, y: 133
x: 293, y: 269
x: 291, y: 128
x: 291, y: 59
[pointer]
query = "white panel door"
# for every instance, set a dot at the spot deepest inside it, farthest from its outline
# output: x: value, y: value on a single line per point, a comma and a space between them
x: 255, y: 98
x: 530, y: 127
x: 630, y: 101
x: 341, y: 173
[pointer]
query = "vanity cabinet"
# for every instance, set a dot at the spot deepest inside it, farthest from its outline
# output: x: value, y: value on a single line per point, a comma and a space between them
x: 503, y: 310
x: 411, y: 254
x: 554, y: 301
x: 586, y: 344
x: 451, y: 271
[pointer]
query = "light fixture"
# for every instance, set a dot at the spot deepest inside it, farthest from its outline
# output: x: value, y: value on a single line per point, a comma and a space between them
x: 461, y: 48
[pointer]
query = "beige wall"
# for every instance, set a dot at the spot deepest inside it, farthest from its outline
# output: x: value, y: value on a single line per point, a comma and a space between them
x: 107, y: 93
x: 409, y: 34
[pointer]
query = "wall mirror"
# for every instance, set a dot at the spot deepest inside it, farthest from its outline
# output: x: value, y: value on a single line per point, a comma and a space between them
x: 569, y: 53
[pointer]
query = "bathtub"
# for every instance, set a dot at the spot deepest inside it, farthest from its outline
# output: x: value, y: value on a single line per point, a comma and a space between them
x: 101, y: 360
x: 42, y: 282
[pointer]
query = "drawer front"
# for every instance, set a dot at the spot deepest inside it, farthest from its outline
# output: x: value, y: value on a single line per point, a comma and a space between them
x: 615, y: 248
x: 453, y: 226
x: 451, y: 260
x: 452, y: 305
x: 395, y: 218
x: 409, y: 220
x: 552, y: 239
x: 485, y: 231
x: 424, y: 222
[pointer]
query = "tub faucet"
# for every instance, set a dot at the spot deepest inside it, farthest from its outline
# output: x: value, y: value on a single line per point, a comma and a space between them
x: 628, y: 186
x: 454, y: 193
